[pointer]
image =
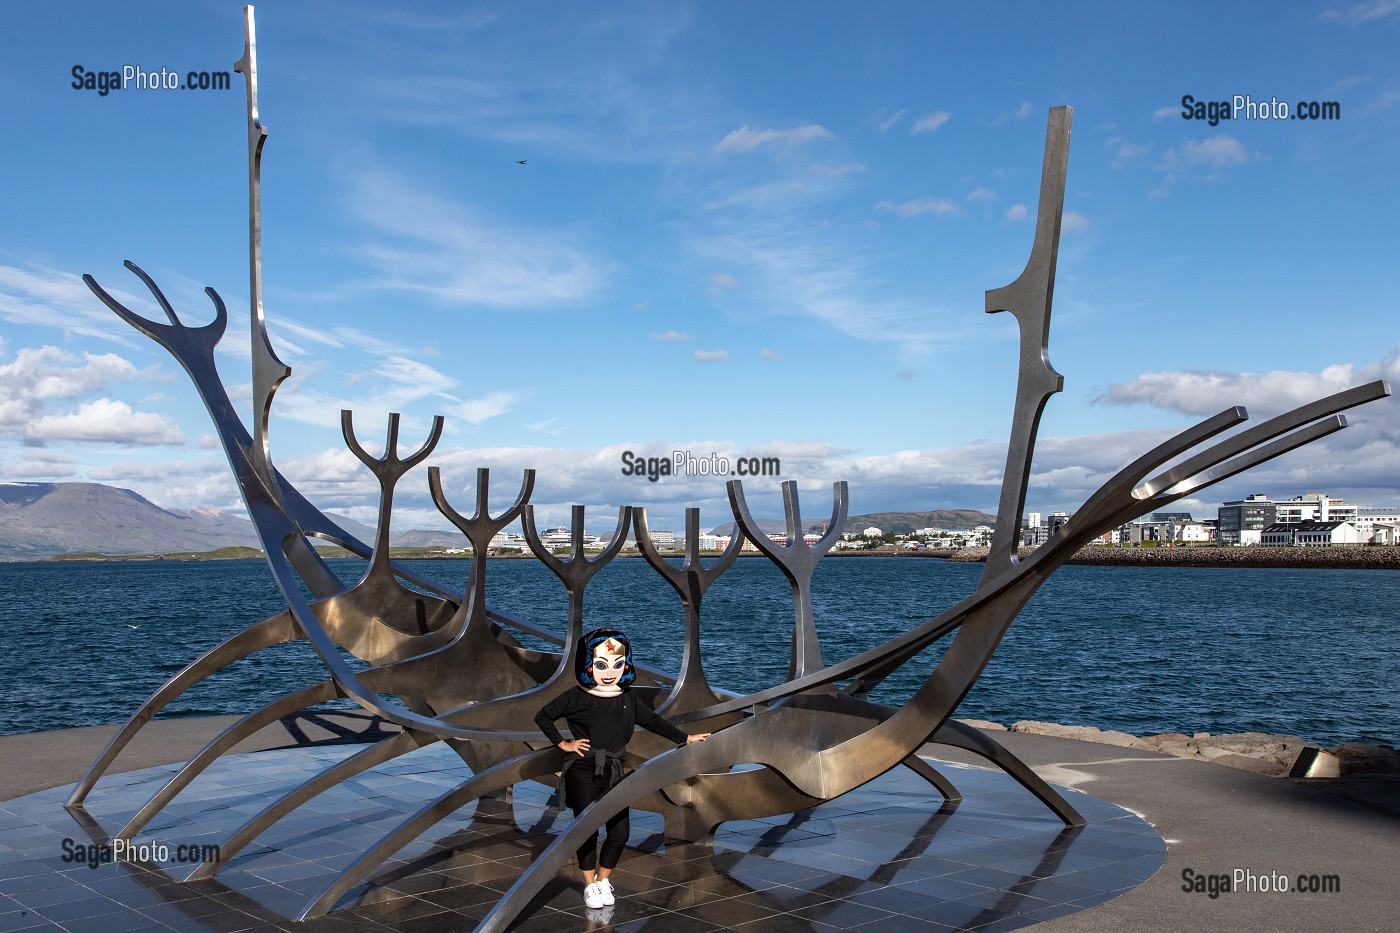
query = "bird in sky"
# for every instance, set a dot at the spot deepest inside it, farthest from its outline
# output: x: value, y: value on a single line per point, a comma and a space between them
x: 521, y: 162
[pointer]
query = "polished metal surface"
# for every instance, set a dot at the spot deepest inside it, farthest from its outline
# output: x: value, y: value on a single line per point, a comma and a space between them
x: 458, y: 675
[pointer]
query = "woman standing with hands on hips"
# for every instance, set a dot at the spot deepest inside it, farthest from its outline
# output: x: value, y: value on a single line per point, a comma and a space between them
x: 601, y: 713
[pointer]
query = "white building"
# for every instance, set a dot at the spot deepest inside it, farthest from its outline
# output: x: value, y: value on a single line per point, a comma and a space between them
x: 1192, y: 532
x: 872, y: 532
x: 1308, y: 533
x: 1317, y: 506
x: 1377, y: 526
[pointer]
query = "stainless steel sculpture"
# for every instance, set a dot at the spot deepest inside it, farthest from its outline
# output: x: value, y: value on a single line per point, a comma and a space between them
x: 463, y: 679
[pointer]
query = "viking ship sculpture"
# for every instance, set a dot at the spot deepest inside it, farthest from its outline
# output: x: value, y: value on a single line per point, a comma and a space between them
x: 462, y: 677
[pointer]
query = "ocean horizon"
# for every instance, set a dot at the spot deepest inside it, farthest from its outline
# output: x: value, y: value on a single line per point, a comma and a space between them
x: 1303, y: 652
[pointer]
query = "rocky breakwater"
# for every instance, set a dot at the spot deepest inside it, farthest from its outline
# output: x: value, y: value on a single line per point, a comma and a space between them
x: 1343, y: 557
x: 1258, y: 752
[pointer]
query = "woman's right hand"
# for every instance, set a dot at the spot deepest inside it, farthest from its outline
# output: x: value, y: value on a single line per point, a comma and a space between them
x: 577, y: 746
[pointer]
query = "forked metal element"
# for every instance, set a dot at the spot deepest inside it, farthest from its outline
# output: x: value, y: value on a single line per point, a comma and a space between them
x: 796, y: 560
x: 574, y: 572
x: 388, y: 470
x: 479, y: 530
x: 460, y: 677
x: 690, y: 581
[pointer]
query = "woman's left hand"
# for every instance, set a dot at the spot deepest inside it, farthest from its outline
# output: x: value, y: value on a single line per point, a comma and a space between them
x: 692, y: 739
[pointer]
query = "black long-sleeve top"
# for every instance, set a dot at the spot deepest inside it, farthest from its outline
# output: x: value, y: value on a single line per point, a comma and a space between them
x: 606, y: 722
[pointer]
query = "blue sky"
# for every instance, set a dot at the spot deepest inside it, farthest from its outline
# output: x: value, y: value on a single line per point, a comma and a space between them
x: 749, y: 229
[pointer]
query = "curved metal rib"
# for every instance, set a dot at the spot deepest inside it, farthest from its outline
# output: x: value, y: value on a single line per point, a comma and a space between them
x: 935, y: 777
x: 273, y: 630
x: 522, y: 768
x: 960, y: 735
x: 221, y: 743
x: 370, y: 757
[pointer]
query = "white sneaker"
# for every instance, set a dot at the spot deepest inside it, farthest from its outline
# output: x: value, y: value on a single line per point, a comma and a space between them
x: 593, y: 896
x: 605, y: 891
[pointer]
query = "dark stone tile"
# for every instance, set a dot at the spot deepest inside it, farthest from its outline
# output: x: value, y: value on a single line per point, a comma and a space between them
x: 665, y: 923
x: 843, y: 914
x: 785, y: 923
x: 896, y: 900
x: 445, y: 921
x: 729, y: 912
x: 886, y: 847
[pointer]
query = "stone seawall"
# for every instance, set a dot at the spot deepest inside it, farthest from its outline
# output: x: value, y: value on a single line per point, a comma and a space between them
x: 1258, y: 752
x: 1348, y: 557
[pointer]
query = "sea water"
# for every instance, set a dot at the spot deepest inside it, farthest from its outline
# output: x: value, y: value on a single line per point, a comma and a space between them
x: 1311, y: 653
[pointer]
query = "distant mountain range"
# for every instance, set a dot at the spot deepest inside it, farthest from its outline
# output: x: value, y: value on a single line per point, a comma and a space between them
x: 39, y: 520
x: 43, y: 519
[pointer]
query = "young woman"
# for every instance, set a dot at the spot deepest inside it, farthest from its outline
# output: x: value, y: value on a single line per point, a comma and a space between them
x: 601, y: 713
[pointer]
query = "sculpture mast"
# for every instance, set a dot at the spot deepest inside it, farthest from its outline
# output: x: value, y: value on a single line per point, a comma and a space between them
x: 268, y: 370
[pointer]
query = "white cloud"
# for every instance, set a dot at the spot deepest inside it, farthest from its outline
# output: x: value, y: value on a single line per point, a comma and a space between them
x: 1132, y: 151
x: 710, y: 356
x: 38, y: 375
x: 792, y: 271
x: 746, y: 138
x: 39, y: 465
x: 671, y: 336
x: 1020, y: 113
x: 722, y: 282
x: 44, y: 297
x: 768, y: 354
x: 981, y: 195
x: 1072, y: 222
x: 930, y: 122
x: 430, y: 245
x: 1215, y: 152
x: 884, y: 124
x: 836, y: 171
x: 921, y: 205
x: 1203, y: 392
x: 547, y: 426
x: 176, y: 484
x: 491, y: 405
x: 1164, y: 113
x: 1364, y: 12
x: 108, y: 421
x: 1017, y: 213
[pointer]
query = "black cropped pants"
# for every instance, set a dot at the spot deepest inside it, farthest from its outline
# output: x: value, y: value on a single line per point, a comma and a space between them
x: 581, y: 789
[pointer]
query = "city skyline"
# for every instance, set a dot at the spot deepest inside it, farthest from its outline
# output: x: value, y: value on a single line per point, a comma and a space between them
x: 715, y: 229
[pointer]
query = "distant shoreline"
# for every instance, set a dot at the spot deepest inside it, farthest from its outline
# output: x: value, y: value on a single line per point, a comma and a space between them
x: 1359, y: 557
